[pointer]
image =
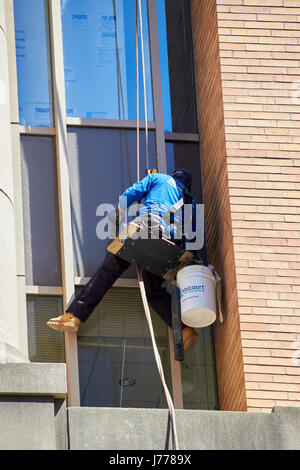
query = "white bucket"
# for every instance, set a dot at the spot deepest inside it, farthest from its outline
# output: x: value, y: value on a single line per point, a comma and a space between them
x: 197, y: 287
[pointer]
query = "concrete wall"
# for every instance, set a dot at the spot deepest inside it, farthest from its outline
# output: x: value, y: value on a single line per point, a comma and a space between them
x: 12, y: 328
x: 40, y: 423
x: 34, y: 416
x: 133, y: 429
x: 33, y: 412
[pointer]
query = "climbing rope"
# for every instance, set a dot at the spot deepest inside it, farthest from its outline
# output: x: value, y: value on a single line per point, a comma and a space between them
x: 157, y: 358
x: 144, y: 84
x: 139, y: 23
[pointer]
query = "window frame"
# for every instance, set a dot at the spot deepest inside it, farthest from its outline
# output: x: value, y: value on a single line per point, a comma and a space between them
x: 59, y: 132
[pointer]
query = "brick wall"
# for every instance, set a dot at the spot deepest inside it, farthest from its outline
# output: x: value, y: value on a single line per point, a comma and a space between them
x: 259, y: 44
x: 260, y: 65
x: 229, y: 358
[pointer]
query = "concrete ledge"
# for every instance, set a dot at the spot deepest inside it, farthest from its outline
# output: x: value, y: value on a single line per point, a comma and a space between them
x: 39, y: 379
x: 143, y: 429
x: 288, y: 421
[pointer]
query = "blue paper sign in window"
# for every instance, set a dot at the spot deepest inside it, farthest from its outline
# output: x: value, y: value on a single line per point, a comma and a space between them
x: 33, y: 62
x: 100, y: 59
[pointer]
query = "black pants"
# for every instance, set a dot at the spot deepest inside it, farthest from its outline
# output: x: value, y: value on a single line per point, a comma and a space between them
x: 110, y: 270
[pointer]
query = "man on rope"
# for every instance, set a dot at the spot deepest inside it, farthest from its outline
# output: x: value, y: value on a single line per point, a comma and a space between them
x: 159, y: 193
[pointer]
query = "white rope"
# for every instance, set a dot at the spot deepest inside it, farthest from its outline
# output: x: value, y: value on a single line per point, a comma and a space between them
x: 158, y: 360
x: 119, y: 76
x: 139, y: 275
x: 144, y: 83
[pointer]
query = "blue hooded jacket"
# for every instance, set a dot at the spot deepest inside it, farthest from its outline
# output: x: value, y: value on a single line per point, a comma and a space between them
x: 158, y: 193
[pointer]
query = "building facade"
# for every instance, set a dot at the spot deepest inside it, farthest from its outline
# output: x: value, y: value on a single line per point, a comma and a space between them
x: 220, y: 97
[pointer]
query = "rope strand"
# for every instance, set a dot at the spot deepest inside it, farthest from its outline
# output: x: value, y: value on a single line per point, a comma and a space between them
x: 157, y: 358
x: 144, y: 85
x: 139, y: 275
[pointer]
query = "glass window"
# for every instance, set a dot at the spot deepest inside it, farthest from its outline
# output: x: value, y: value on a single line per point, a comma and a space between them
x: 33, y: 62
x: 100, y: 59
x: 102, y: 164
x: 40, y: 211
x: 45, y: 344
x: 186, y: 155
x: 198, y: 374
x: 117, y: 366
x: 177, y: 65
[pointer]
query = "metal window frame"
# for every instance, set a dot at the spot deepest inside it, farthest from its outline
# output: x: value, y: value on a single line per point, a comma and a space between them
x: 59, y: 132
x: 107, y: 123
x: 43, y: 290
x: 36, y: 130
x: 59, y: 114
x: 181, y: 137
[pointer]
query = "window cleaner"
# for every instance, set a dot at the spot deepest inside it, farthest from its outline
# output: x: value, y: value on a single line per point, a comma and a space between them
x: 160, y: 192
x: 162, y: 256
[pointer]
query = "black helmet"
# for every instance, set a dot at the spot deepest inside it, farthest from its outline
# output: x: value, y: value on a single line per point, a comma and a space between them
x: 183, y: 175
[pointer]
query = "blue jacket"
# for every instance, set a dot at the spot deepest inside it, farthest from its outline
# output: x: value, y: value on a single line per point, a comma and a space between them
x: 158, y: 193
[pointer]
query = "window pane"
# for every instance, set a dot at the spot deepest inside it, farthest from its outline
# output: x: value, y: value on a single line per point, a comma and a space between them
x: 186, y: 155
x: 40, y: 211
x: 198, y: 374
x: 45, y: 344
x: 33, y: 62
x: 164, y: 64
x: 117, y: 366
x: 100, y: 59
x: 177, y: 65
x: 102, y: 164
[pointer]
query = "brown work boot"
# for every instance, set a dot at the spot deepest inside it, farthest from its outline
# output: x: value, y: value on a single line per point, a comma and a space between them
x: 65, y: 322
x: 189, y: 337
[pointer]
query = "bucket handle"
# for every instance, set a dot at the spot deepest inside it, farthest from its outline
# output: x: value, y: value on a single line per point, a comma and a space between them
x: 218, y: 291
